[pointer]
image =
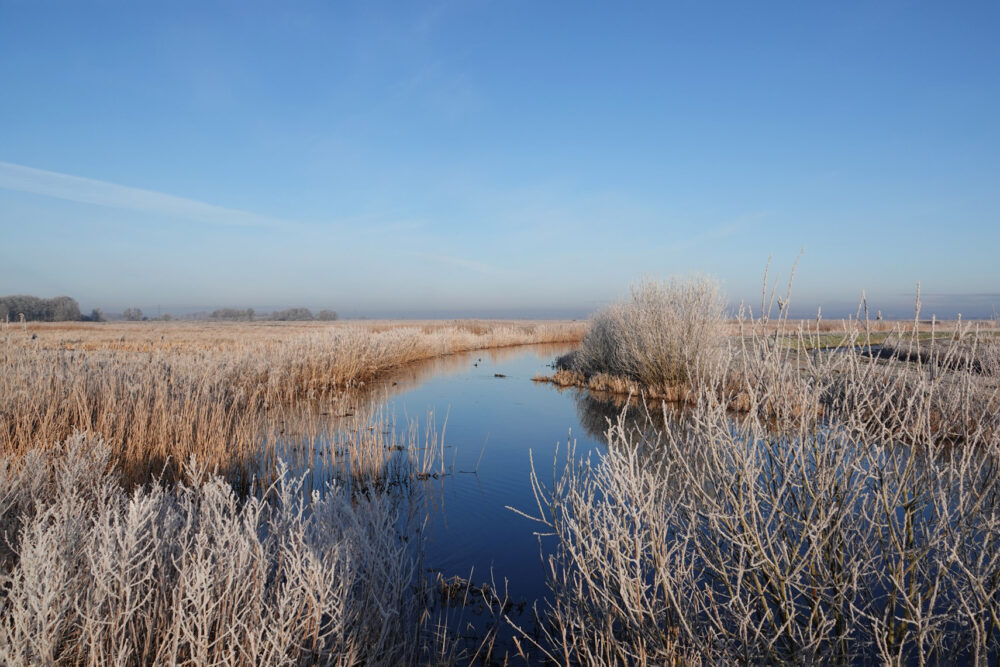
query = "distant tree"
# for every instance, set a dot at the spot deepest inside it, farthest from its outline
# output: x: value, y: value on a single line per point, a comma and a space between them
x: 62, y: 309
x: 58, y: 309
x: 292, y: 314
x: 326, y: 315
x: 166, y: 317
x: 96, y: 315
x: 13, y: 306
x: 132, y: 314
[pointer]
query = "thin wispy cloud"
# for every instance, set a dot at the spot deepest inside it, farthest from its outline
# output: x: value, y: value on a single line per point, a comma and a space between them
x: 101, y: 193
x: 716, y: 233
x: 470, y: 264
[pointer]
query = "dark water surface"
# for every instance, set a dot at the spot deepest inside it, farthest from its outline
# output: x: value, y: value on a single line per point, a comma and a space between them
x: 491, y: 426
x: 501, y: 419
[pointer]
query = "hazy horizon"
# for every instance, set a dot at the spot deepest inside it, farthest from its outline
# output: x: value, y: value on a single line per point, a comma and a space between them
x: 942, y: 306
x: 520, y: 159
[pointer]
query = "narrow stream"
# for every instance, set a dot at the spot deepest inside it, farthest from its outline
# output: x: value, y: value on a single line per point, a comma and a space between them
x: 493, y: 419
x: 491, y: 425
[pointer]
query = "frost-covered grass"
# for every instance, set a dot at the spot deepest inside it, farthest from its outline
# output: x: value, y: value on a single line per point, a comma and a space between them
x: 848, y: 513
x: 190, y: 574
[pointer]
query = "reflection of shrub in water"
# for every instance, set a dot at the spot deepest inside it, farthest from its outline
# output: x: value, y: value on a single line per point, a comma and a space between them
x: 598, y: 411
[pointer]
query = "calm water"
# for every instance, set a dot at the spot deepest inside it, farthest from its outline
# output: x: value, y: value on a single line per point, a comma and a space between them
x: 490, y: 424
x: 501, y: 419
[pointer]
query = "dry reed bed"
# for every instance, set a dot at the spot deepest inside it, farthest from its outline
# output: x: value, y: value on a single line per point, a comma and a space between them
x: 670, y: 340
x: 157, y: 393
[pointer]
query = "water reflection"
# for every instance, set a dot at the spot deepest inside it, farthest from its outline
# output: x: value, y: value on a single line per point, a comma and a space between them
x: 597, y: 411
x: 472, y: 431
x: 373, y: 430
x: 477, y: 433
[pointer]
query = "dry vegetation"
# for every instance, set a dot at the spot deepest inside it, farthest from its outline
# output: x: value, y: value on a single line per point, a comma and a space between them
x: 850, y: 513
x: 979, y: 354
x: 100, y: 565
x: 156, y: 393
x: 664, y: 335
x: 190, y: 574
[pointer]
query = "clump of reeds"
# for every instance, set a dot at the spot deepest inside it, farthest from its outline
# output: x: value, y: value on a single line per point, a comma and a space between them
x: 368, y: 451
x: 849, y: 514
x: 664, y: 335
x: 190, y: 574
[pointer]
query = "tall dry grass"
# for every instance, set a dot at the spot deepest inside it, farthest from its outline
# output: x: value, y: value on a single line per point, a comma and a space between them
x: 159, y: 393
x: 849, y: 514
x: 371, y: 451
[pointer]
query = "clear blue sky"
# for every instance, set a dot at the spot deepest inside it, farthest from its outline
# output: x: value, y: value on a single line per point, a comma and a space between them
x: 486, y: 158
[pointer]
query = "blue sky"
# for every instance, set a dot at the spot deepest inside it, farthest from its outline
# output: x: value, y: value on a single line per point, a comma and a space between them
x: 507, y: 158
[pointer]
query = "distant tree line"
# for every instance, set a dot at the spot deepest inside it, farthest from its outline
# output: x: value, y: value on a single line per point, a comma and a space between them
x: 287, y: 315
x: 36, y: 309
x: 64, y: 308
x: 302, y: 315
x: 292, y: 315
x: 56, y: 309
x: 232, y: 314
